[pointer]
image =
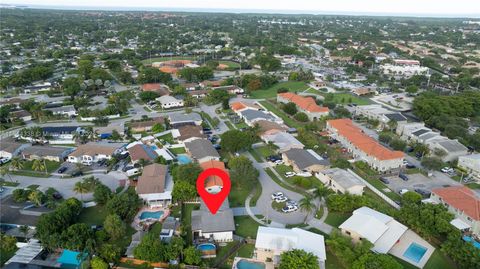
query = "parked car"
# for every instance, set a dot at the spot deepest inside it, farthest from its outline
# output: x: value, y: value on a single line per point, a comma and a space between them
x: 273, y: 158
x: 410, y: 166
x: 289, y: 208
x: 277, y: 162
x: 77, y: 173
x: 423, y: 193
x: 402, y: 191
x: 447, y: 170
x: 384, y: 180
x: 277, y: 194
x: 281, y: 199
x: 57, y: 195
x: 403, y: 176
x: 290, y: 174
x: 304, y: 174
x: 292, y: 202
x: 4, y: 160
x: 62, y: 169
x: 132, y: 172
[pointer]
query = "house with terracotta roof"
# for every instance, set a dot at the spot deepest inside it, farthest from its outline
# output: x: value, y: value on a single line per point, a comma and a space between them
x: 141, y: 151
x: 155, y: 186
x: 363, y: 147
x: 159, y: 88
x: 304, y: 104
x: 238, y: 107
x: 463, y: 203
x: 213, y: 184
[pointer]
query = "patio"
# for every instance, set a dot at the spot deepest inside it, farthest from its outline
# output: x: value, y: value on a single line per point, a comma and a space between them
x: 409, y: 237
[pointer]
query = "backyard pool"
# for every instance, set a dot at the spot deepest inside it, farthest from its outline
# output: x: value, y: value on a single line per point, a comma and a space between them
x: 183, y: 159
x: 151, y: 215
x: 467, y: 238
x: 206, y: 247
x: 154, y: 147
x: 415, y: 252
x: 71, y: 258
x: 245, y: 264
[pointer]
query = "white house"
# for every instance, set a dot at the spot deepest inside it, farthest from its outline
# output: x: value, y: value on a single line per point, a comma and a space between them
x: 9, y: 148
x: 471, y: 163
x: 92, y: 152
x: 168, y: 101
x: 340, y: 180
x: 155, y: 186
x: 272, y: 242
x: 68, y: 111
x: 284, y: 141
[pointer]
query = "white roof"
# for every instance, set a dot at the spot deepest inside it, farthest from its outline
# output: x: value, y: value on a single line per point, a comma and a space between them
x: 279, y: 240
x: 460, y: 224
x: 167, y: 99
x: 27, y: 253
x: 283, y: 140
x: 380, y: 229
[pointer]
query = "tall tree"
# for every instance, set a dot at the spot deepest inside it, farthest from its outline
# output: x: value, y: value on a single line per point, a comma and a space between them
x: 298, y: 259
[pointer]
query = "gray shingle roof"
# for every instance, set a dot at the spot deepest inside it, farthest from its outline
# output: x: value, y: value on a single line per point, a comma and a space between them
x: 182, y: 117
x: 205, y: 221
x: 343, y: 177
x: 252, y: 114
x: 201, y: 148
x: 420, y: 132
x: 452, y: 145
x: 303, y: 158
x: 396, y: 117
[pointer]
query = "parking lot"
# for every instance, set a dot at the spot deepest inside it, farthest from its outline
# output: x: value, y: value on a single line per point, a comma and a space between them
x: 418, y: 181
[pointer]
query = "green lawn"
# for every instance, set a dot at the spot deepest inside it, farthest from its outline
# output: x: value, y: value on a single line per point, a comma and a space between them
x: 94, y: 215
x: 336, y: 218
x: 238, y: 195
x: 241, y: 125
x: 278, y: 206
x: 256, y: 155
x: 231, y: 65
x: 246, y: 226
x: 27, y: 170
x: 245, y: 251
x: 164, y: 59
x: 265, y: 151
x: 346, y: 98
x: 292, y: 86
x: 332, y: 261
x: 286, y: 119
x: 177, y: 151
x: 283, y: 184
x: 166, y: 137
x: 5, y: 256
x: 9, y: 183
x: 229, y: 125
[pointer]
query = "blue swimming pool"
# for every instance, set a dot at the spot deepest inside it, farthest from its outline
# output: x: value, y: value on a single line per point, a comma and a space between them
x: 415, y: 252
x: 151, y: 215
x: 69, y: 257
x: 467, y: 238
x: 154, y: 147
x: 245, y: 264
x: 206, y: 246
x: 183, y: 159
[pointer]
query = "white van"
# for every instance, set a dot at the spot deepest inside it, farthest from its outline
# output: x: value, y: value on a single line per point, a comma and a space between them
x: 132, y: 172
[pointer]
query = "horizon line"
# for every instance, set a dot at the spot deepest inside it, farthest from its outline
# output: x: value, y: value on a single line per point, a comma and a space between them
x: 240, y: 11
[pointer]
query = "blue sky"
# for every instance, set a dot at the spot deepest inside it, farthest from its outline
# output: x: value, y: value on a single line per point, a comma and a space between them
x: 423, y: 7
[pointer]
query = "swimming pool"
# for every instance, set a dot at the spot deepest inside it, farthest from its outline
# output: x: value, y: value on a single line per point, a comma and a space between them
x: 467, y: 238
x: 154, y: 147
x: 415, y: 252
x: 69, y: 257
x: 245, y: 264
x: 206, y: 247
x: 151, y: 215
x: 183, y: 159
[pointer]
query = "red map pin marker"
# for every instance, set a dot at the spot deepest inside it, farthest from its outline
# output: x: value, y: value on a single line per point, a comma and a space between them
x: 213, y: 201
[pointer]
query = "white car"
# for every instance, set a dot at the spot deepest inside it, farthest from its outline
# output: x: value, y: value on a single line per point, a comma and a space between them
x: 447, y: 170
x: 289, y: 208
x: 292, y: 202
x: 304, y: 174
x: 403, y: 191
x: 290, y: 174
x: 281, y: 199
x: 4, y: 160
x: 277, y: 162
x: 277, y: 194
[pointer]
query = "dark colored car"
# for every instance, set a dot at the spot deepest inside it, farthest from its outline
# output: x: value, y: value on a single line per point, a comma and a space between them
x: 384, y: 180
x: 410, y: 166
x: 423, y: 193
x: 403, y: 176
x: 57, y: 196
x: 77, y: 174
x: 62, y: 170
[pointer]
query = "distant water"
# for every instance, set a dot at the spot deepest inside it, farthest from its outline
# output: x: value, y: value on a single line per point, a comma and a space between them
x: 258, y: 11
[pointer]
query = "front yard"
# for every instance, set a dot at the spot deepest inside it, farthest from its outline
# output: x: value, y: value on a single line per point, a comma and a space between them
x: 292, y: 86
x: 246, y: 226
x: 275, y: 110
x: 27, y: 169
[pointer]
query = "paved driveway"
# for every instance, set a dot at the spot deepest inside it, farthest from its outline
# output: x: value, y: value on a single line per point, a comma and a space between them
x: 264, y: 203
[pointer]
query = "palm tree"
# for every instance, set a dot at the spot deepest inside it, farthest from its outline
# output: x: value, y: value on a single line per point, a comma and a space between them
x: 319, y: 193
x: 81, y: 188
x: 39, y: 165
x: 24, y: 229
x: 36, y: 197
x: 306, y: 205
x: 16, y: 164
